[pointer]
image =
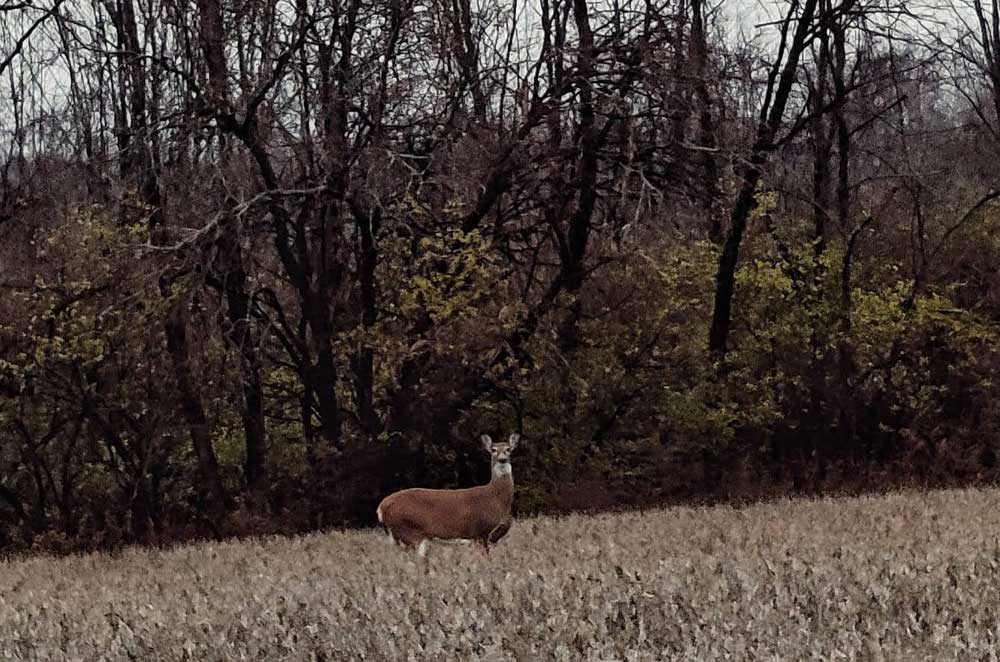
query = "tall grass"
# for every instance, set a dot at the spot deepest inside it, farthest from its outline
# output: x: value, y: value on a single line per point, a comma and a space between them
x: 902, y: 577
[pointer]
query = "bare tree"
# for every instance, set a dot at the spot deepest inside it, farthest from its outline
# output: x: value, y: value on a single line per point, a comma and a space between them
x: 781, y: 78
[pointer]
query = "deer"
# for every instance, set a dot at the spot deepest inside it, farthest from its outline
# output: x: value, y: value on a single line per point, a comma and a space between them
x: 482, y: 514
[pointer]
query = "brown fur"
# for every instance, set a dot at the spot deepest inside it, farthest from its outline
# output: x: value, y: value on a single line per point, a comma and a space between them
x: 472, y: 514
x: 481, y: 514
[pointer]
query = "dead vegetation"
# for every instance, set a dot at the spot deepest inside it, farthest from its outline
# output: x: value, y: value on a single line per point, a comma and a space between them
x: 903, y: 577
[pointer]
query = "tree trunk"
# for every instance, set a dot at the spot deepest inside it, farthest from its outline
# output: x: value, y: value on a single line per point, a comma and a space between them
x: 241, y: 338
x: 841, y: 123
x: 573, y: 247
x: 822, y: 147
x: 321, y: 375
x: 234, y: 277
x: 725, y: 280
x: 364, y: 359
x: 210, y: 486
x: 846, y: 362
x: 706, y: 125
x: 772, y: 113
x: 465, y: 50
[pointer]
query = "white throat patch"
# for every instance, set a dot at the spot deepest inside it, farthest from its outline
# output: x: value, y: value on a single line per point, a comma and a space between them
x: 502, y: 469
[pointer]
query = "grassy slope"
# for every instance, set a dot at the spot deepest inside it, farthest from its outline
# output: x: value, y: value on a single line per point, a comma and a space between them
x: 904, y: 577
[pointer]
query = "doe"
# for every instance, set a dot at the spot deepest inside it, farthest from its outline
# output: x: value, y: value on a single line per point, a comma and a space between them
x: 482, y: 514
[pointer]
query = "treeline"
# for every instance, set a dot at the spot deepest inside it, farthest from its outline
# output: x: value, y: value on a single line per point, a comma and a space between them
x: 264, y: 261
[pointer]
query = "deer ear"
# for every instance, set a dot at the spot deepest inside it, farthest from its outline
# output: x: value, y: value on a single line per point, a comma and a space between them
x: 487, y: 442
x: 514, y: 438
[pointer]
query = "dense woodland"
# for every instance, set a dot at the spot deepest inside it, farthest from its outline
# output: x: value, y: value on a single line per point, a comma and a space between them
x: 262, y: 261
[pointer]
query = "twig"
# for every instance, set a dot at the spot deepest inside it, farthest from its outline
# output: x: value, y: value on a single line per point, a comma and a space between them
x: 27, y: 35
x: 236, y: 212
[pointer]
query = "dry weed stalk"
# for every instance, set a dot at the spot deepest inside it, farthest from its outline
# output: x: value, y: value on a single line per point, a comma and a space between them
x: 903, y: 577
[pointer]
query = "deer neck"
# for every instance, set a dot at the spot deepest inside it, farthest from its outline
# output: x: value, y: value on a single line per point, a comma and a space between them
x: 502, y: 482
x: 502, y: 472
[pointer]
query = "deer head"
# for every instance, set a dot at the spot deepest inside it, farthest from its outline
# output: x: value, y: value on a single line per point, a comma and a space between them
x: 500, y: 453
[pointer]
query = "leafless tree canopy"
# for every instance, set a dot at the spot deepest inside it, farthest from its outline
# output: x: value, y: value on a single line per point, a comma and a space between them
x: 262, y: 262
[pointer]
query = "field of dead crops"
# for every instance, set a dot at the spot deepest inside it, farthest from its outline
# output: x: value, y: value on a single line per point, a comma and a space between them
x: 903, y: 577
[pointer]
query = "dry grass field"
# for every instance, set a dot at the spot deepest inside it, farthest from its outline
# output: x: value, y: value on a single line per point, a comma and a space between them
x: 903, y: 577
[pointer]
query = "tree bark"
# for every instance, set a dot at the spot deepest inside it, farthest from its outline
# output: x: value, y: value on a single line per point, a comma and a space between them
x: 241, y: 338
x: 234, y: 278
x: 822, y: 145
x: 772, y: 113
x: 465, y: 50
x: 364, y: 359
x: 573, y: 247
x: 706, y: 124
x: 841, y: 123
x: 210, y: 487
x: 138, y: 163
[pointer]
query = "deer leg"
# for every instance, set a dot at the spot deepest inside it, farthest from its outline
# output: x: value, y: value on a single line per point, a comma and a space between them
x: 498, y: 532
x: 409, y: 536
x: 422, y: 554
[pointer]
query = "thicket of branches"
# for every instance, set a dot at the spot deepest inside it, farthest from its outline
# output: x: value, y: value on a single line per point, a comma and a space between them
x: 264, y: 260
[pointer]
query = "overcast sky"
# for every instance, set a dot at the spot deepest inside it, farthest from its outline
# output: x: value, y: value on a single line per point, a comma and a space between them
x: 738, y: 19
